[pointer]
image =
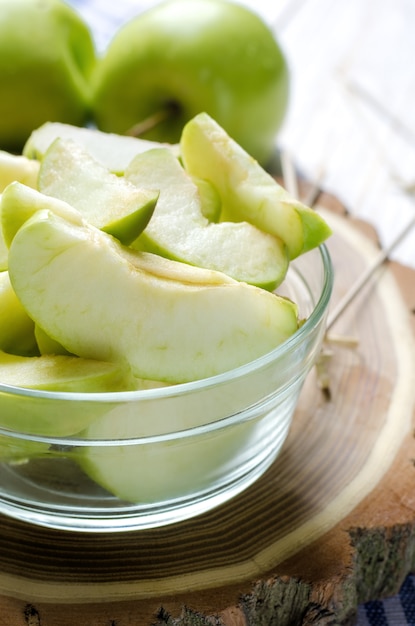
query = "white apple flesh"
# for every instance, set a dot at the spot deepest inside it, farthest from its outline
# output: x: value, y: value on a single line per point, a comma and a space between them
x: 179, y: 229
x: 17, y: 167
x: 19, y: 203
x: 110, y: 202
x: 113, y: 151
x: 47, y: 413
x: 247, y: 191
x: 16, y: 328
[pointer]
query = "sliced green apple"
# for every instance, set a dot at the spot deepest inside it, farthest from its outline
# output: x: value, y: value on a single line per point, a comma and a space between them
x: 113, y: 151
x: 17, y: 450
x: 17, y: 167
x: 247, y: 191
x: 57, y: 372
x: 19, y: 202
x: 45, y: 343
x: 169, y: 321
x: 16, y: 327
x: 4, y: 249
x: 14, y: 167
x: 210, y: 202
x: 49, y: 414
x: 69, y: 173
x: 152, y: 471
x: 179, y: 230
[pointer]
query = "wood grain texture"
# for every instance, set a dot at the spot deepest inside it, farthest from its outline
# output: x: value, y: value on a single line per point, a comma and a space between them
x: 330, y: 524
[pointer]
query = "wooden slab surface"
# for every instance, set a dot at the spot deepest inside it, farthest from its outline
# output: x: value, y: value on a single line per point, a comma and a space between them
x: 331, y: 523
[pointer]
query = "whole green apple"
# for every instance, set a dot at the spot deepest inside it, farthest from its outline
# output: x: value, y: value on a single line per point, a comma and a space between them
x: 183, y: 57
x: 47, y: 55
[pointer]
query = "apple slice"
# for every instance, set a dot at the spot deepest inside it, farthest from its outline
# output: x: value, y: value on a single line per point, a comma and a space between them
x: 14, y: 167
x: 4, y: 249
x: 49, y: 346
x: 16, y: 328
x: 113, y: 151
x: 169, y: 321
x: 154, y: 471
x: 247, y: 191
x: 69, y: 173
x: 57, y: 372
x: 17, y: 167
x: 45, y: 343
x: 17, y: 450
x: 19, y: 202
x: 179, y: 230
x: 50, y: 415
x: 210, y: 202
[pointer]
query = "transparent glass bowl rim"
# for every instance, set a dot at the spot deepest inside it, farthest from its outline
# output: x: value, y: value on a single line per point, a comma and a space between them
x: 205, y: 383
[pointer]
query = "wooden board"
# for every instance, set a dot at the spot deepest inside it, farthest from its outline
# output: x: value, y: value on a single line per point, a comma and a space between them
x: 331, y: 523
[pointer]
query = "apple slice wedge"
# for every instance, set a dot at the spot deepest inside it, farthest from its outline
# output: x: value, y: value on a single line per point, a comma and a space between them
x: 16, y: 328
x: 68, y: 172
x: 179, y: 229
x: 210, y: 202
x: 113, y: 151
x: 4, y: 249
x: 52, y: 415
x: 247, y: 191
x: 19, y: 202
x: 169, y: 321
x: 58, y: 372
x: 17, y: 167
x: 45, y: 343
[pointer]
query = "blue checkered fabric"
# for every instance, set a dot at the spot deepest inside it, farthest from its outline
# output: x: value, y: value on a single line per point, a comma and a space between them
x: 396, y: 611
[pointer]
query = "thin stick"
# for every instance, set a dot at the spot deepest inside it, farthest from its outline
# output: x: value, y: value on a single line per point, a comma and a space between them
x: 376, y: 105
x: 289, y: 174
x: 151, y: 121
x: 290, y: 178
x: 365, y: 277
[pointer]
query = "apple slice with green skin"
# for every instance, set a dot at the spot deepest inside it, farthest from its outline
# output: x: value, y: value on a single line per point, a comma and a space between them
x: 45, y: 343
x: 210, y: 202
x: 152, y: 471
x: 17, y: 167
x: 169, y: 321
x: 16, y: 327
x: 180, y: 231
x: 247, y: 191
x: 57, y: 372
x: 19, y: 202
x: 4, y: 249
x: 50, y: 346
x: 15, y: 450
x: 50, y: 415
x: 111, y: 150
x: 69, y: 173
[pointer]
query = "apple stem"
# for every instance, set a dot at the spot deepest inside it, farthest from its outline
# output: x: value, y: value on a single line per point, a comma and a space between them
x: 153, y: 120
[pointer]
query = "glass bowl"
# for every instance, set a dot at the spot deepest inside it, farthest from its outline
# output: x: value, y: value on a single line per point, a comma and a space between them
x: 141, y: 459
